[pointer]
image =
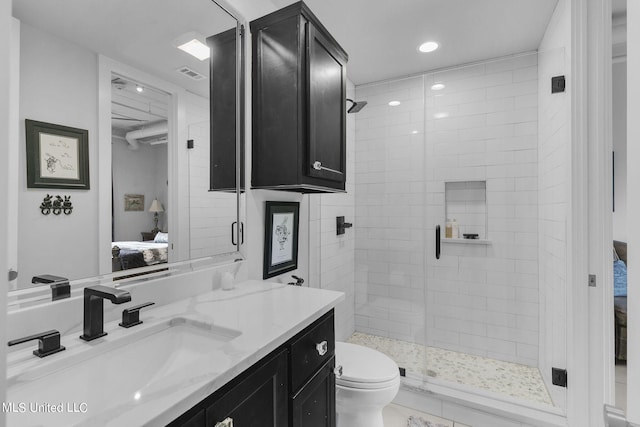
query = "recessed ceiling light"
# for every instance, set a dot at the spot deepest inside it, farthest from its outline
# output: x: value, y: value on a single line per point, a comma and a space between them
x: 394, y: 103
x: 414, y: 132
x: 140, y: 89
x: 196, y: 48
x: 437, y: 86
x: 428, y: 47
x: 441, y: 115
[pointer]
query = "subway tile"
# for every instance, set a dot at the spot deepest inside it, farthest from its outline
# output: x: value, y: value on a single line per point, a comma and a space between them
x: 526, y: 101
x: 514, y: 89
x: 459, y: 73
x: 525, y: 74
x: 391, y: 173
x: 515, y: 63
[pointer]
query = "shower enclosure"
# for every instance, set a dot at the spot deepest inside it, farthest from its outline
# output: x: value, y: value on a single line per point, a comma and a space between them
x: 480, y: 152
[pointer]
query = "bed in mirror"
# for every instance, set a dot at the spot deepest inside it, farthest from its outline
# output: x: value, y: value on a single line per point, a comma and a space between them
x: 136, y: 77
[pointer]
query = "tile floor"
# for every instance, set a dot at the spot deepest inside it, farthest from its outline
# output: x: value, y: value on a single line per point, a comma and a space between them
x: 399, y: 416
x: 512, y: 379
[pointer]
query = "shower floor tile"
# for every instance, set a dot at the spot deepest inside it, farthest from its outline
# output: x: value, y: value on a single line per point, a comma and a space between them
x: 512, y: 379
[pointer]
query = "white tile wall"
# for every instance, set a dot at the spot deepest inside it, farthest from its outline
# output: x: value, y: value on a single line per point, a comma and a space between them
x: 481, y: 127
x: 210, y: 213
x: 390, y: 210
x: 336, y: 254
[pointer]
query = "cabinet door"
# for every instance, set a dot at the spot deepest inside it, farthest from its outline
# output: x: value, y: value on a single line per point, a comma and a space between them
x: 315, y: 403
x: 197, y: 420
x: 260, y: 400
x: 326, y: 103
x: 222, y: 77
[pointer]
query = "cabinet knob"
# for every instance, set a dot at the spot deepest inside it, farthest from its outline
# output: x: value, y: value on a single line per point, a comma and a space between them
x: 338, y: 371
x: 322, y: 348
x: 228, y: 422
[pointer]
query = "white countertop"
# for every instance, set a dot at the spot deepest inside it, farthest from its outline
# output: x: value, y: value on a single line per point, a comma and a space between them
x: 264, y: 314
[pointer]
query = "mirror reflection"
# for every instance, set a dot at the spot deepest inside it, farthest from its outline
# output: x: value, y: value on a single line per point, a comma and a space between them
x: 139, y: 138
x: 155, y: 206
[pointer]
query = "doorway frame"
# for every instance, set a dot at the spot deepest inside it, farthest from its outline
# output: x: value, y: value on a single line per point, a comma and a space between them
x: 178, y: 218
x: 590, y: 359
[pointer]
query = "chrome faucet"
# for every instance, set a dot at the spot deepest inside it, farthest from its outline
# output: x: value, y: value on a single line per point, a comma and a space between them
x: 94, y: 308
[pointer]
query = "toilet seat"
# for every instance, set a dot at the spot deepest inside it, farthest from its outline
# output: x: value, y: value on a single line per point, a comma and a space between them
x: 365, y: 368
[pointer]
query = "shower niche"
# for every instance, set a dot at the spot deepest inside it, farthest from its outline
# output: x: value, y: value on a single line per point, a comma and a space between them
x: 466, y: 212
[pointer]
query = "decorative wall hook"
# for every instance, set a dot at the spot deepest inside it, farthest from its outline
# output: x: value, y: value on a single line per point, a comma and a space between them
x: 57, y: 205
x: 67, y: 207
x: 45, y: 206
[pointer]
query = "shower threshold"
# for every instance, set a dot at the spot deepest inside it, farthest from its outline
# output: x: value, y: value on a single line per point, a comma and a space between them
x: 504, y: 378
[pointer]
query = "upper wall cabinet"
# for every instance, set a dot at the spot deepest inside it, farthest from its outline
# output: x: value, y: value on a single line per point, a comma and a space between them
x: 299, y: 101
x: 223, y: 103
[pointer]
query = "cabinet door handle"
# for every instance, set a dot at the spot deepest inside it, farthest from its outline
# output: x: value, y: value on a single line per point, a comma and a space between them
x: 322, y: 348
x: 338, y: 371
x: 318, y: 166
x: 226, y: 423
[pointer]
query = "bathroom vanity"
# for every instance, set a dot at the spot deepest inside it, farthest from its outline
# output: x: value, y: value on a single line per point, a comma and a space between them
x: 261, y: 354
x: 293, y: 386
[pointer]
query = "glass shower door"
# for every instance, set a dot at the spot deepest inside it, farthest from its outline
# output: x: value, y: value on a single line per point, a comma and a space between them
x: 389, y: 223
x: 483, y: 170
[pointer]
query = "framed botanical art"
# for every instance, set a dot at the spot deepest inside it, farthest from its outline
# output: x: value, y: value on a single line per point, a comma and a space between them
x: 280, y: 238
x: 57, y: 156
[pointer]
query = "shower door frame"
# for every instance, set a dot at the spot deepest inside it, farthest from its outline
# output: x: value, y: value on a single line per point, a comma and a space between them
x: 590, y: 313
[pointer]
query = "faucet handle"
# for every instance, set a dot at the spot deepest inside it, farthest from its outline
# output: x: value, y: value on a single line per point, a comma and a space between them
x: 48, y: 343
x: 299, y: 281
x: 131, y: 315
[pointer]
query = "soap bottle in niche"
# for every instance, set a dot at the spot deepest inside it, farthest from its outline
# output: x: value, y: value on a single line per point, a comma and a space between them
x: 454, y: 229
x: 448, y: 231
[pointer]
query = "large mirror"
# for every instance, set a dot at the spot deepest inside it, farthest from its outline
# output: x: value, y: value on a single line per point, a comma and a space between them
x: 135, y: 76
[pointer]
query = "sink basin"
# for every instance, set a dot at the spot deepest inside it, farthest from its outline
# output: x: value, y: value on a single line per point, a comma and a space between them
x: 92, y: 386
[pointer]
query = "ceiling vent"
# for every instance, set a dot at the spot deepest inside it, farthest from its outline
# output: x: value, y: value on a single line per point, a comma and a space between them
x: 192, y: 74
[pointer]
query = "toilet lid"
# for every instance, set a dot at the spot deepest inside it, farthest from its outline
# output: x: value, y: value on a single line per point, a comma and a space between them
x: 363, y: 365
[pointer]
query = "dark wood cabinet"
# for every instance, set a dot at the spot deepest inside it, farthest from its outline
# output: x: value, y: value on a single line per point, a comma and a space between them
x: 292, y: 386
x: 222, y: 100
x: 315, y: 404
x: 299, y: 104
x: 260, y: 400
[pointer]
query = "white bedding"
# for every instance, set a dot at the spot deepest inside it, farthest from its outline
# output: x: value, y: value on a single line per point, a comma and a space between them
x: 153, y: 253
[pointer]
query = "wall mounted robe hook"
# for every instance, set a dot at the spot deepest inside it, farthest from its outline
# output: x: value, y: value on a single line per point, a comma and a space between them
x: 46, y: 205
x: 57, y: 205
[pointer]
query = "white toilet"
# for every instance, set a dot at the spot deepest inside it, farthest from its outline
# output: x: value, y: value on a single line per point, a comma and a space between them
x: 370, y: 380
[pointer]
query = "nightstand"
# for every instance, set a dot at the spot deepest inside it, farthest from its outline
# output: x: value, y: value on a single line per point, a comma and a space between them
x: 148, y: 235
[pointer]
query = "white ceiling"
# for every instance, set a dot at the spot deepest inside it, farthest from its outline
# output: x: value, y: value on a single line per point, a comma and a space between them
x: 382, y: 36
x: 140, y: 33
x: 131, y: 109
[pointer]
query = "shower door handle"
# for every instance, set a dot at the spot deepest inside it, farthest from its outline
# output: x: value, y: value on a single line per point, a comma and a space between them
x: 437, y: 242
x: 233, y: 233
